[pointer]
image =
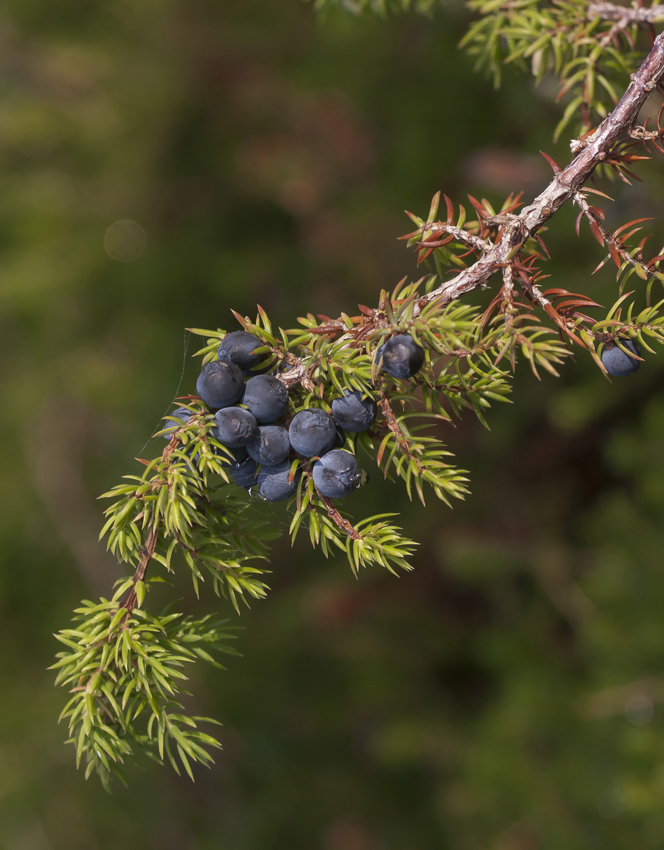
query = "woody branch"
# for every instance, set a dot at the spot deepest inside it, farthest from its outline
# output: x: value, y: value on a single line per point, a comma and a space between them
x: 625, y: 15
x: 517, y: 229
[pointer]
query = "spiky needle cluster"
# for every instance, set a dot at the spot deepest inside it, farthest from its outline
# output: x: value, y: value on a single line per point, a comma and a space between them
x: 125, y: 668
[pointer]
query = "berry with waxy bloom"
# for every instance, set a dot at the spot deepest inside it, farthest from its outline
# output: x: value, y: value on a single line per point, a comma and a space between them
x: 337, y: 474
x: 238, y: 347
x: 271, y: 446
x: 401, y: 357
x: 220, y: 384
x: 354, y: 413
x: 617, y: 363
x: 266, y: 398
x: 312, y: 432
x: 235, y: 427
x: 273, y: 483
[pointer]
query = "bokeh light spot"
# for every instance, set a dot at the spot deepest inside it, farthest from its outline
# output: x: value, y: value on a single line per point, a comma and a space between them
x: 639, y: 710
x: 125, y: 241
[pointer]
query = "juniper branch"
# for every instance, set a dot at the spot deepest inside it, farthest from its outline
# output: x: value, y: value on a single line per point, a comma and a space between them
x: 564, y: 186
x: 625, y: 15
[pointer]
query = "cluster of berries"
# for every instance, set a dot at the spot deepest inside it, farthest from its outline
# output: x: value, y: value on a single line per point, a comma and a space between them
x: 619, y: 364
x: 250, y: 406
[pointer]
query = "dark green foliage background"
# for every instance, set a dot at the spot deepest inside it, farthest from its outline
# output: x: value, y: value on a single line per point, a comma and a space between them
x: 478, y: 702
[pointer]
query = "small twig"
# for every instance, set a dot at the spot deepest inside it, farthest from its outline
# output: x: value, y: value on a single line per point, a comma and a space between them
x: 395, y: 428
x: 338, y: 519
x: 131, y: 598
x: 613, y: 243
x: 475, y: 242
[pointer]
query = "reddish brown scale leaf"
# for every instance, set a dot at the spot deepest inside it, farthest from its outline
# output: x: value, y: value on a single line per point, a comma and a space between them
x: 556, y: 292
x: 577, y: 226
x: 642, y: 245
x: 450, y: 209
x: 554, y: 165
x: 479, y: 209
x: 603, y: 263
x: 655, y: 260
x: 615, y: 256
x: 626, y: 171
x: 549, y: 308
x: 529, y: 261
x: 597, y: 212
x: 630, y: 224
x: 240, y: 319
x: 381, y: 452
x: 619, y: 173
x: 627, y: 236
x: 486, y: 316
x: 366, y: 310
x: 633, y: 157
x: 597, y: 192
x: 326, y: 330
x: 437, y: 244
x: 574, y: 296
x: 564, y: 306
x: 540, y: 242
x: 410, y: 235
x: 597, y: 233
x: 513, y: 203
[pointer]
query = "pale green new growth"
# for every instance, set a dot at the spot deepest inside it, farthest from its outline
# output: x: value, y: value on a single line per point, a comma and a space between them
x: 126, y: 672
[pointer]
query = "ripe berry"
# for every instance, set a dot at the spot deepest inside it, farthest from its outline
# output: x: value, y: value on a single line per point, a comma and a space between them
x: 273, y: 483
x: 179, y: 417
x: 266, y: 398
x: 400, y: 357
x: 238, y: 347
x: 220, y: 384
x: 312, y: 432
x: 271, y: 446
x: 337, y: 474
x: 619, y: 364
x: 353, y: 412
x: 243, y: 472
x: 235, y: 427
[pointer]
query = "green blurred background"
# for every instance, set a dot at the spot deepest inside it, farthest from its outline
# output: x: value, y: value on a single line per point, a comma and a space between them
x: 506, y: 695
